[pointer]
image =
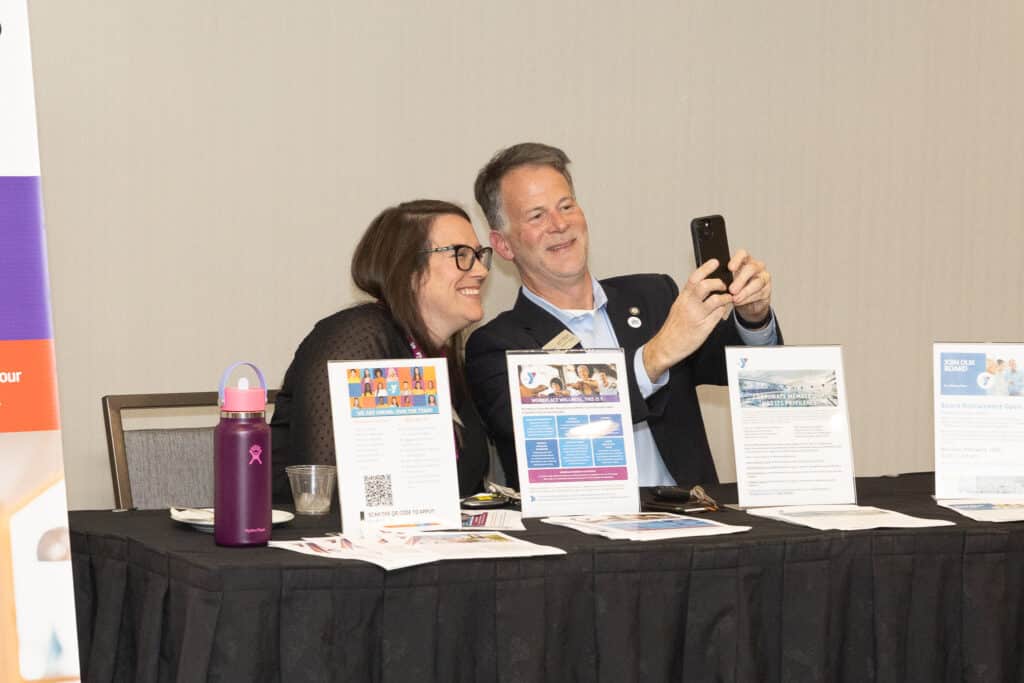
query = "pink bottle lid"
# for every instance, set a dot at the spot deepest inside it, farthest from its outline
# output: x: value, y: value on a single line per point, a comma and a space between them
x: 242, y: 399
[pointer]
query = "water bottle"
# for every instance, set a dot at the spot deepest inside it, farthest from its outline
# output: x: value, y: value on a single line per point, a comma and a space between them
x: 241, y: 469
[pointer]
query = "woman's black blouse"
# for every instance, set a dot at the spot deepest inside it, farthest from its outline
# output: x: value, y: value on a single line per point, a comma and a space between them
x: 302, y: 429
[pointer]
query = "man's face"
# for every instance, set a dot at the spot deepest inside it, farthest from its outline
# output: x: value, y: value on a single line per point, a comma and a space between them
x: 545, y: 231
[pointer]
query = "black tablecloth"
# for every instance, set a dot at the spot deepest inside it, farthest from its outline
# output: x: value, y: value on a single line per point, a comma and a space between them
x: 158, y: 601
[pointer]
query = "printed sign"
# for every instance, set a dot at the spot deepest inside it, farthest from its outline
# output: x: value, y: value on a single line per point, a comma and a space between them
x: 573, y: 432
x: 38, y: 640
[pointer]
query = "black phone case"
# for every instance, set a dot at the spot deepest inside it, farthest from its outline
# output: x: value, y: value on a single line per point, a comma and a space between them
x: 710, y: 241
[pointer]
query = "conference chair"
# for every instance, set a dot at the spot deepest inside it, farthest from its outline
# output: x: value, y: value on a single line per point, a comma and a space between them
x: 157, y: 468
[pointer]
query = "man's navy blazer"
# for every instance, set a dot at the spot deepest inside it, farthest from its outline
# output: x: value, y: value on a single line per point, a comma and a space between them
x: 673, y: 412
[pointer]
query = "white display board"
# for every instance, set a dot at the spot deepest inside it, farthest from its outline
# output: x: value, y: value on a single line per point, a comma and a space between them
x: 790, y: 425
x: 394, y: 445
x: 573, y: 432
x: 979, y: 421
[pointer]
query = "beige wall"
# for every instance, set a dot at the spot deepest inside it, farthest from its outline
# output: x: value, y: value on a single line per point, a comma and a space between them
x: 208, y: 167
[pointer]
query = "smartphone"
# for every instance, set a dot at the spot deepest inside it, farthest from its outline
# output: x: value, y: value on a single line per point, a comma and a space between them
x: 710, y: 242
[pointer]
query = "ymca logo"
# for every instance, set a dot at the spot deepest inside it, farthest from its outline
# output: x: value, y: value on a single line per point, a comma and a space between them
x: 255, y: 453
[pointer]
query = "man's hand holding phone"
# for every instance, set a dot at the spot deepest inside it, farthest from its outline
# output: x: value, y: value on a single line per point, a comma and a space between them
x: 701, y: 304
x: 751, y: 288
x: 747, y: 280
x: 709, y: 296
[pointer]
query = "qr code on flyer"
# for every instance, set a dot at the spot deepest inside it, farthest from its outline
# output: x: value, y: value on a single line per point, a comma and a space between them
x: 378, y: 490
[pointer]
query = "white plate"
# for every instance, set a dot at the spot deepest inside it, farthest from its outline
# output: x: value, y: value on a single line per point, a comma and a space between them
x: 201, y: 519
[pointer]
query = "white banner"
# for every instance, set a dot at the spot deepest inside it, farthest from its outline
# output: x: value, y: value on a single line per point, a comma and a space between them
x: 38, y: 640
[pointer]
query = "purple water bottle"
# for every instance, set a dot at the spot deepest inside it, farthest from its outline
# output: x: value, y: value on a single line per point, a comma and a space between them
x: 241, y: 467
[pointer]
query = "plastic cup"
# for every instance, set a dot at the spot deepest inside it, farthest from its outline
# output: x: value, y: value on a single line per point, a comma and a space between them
x: 312, y: 488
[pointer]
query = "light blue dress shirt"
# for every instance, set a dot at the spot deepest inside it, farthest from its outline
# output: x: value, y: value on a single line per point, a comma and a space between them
x: 594, y: 330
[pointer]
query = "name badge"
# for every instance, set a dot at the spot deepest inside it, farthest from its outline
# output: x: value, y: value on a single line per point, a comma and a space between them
x: 561, y: 341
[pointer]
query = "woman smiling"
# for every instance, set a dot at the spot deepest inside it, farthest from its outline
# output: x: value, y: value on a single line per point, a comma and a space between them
x: 423, y: 265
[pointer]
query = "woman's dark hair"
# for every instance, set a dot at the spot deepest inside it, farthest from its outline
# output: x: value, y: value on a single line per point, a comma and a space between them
x: 388, y: 263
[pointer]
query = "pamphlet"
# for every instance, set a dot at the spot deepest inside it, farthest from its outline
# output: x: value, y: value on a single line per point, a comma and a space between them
x: 386, y: 556
x: 790, y: 426
x: 987, y: 510
x: 394, y: 444
x: 845, y: 517
x: 573, y: 432
x: 397, y: 550
x: 645, y: 526
x: 501, y: 519
x: 979, y: 421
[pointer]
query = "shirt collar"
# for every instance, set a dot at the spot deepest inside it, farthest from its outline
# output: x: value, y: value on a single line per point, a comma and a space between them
x: 563, y: 316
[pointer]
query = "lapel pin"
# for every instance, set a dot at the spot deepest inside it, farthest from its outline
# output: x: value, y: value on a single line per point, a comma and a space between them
x: 634, y: 322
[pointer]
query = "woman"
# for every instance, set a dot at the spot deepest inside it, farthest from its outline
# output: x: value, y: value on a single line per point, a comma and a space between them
x: 557, y: 388
x: 586, y: 386
x: 422, y: 264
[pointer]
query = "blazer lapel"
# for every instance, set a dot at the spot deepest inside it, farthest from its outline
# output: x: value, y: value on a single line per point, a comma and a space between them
x: 540, y: 325
x: 620, y: 311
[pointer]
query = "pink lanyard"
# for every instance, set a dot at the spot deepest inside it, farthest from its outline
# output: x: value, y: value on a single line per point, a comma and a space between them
x: 417, y: 353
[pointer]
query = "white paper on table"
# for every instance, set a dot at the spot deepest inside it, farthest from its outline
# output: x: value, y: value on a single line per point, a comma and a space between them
x: 338, y: 548
x: 394, y: 444
x: 790, y: 425
x: 845, y: 517
x: 492, y: 520
x: 987, y: 510
x: 476, y: 545
x: 645, y: 526
x: 573, y: 432
x: 395, y: 550
x: 978, y: 393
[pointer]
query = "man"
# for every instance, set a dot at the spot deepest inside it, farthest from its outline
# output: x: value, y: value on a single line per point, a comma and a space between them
x: 673, y: 339
x: 606, y: 386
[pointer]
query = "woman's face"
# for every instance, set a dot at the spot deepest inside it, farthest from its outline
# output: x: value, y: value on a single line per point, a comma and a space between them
x: 449, y: 298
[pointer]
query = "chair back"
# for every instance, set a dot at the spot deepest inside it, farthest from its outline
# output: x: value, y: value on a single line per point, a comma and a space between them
x: 158, y: 468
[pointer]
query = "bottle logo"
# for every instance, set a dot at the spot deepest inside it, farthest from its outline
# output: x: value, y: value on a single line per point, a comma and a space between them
x: 255, y: 454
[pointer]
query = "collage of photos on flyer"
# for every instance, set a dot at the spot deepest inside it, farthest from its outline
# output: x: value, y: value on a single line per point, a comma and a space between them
x: 376, y: 391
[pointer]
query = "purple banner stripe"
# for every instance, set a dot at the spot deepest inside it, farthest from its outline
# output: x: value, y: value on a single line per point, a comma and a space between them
x: 24, y: 286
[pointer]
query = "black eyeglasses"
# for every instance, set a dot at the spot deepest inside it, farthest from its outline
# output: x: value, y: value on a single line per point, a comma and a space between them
x: 466, y: 256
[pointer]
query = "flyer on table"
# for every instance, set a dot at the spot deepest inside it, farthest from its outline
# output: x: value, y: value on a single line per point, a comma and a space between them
x: 394, y: 444
x: 573, y: 432
x: 790, y: 425
x: 979, y: 421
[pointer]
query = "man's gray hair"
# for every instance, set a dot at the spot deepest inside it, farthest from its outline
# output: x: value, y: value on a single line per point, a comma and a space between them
x: 487, y: 187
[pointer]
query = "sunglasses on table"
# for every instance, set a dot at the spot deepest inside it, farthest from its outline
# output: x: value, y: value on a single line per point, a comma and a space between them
x: 466, y: 256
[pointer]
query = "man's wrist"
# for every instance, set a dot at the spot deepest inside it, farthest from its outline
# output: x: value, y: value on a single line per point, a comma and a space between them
x: 651, y: 358
x: 750, y: 325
